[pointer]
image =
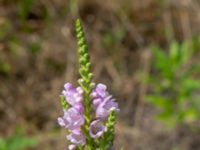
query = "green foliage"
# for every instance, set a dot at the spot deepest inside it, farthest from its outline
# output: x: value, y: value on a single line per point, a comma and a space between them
x: 5, y: 68
x: 175, y: 85
x: 17, y: 142
x: 35, y: 48
x: 64, y: 103
x: 25, y: 8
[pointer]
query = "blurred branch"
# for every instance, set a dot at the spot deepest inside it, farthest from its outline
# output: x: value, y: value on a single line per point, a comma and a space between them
x: 146, y: 67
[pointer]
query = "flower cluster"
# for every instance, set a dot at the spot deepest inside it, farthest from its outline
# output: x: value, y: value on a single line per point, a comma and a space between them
x: 103, y: 104
x: 73, y: 119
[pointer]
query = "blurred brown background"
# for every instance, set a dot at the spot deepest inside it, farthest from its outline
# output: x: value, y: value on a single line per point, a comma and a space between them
x: 38, y: 55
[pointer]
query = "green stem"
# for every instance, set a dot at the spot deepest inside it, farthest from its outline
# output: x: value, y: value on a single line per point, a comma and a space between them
x: 85, y: 82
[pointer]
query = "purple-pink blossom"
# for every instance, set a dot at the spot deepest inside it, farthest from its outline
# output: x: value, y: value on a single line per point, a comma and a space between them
x: 100, y: 91
x: 103, y: 102
x: 72, y: 95
x: 77, y: 137
x: 97, y: 128
x: 105, y: 107
x: 72, y: 147
x: 72, y: 118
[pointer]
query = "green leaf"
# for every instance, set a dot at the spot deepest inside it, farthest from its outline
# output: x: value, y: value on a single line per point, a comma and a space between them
x: 194, y: 69
x: 3, y: 145
x: 20, y: 142
x: 25, y: 8
x: 189, y: 86
x: 160, y: 101
x: 186, y: 52
x: 191, y: 115
x: 161, y: 59
x: 162, y: 63
x: 174, y: 52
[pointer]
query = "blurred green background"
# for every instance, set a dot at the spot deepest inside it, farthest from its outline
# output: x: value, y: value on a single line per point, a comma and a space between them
x: 146, y: 51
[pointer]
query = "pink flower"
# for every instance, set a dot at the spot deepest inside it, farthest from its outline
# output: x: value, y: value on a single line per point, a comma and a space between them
x: 72, y: 95
x: 100, y: 91
x: 105, y: 107
x: 77, y: 137
x: 103, y: 102
x: 72, y: 147
x: 97, y: 129
x: 73, y: 118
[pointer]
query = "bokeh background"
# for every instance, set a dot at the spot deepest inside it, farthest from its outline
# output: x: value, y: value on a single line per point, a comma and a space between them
x: 139, y: 48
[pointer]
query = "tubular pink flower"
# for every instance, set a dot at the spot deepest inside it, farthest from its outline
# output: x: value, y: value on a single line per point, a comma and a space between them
x: 77, y: 137
x: 96, y: 102
x: 72, y: 119
x: 105, y: 107
x: 100, y: 91
x: 72, y: 95
x: 97, y: 128
x: 72, y: 147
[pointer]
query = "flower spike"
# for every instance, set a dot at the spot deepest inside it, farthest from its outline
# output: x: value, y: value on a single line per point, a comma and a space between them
x: 89, y: 110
